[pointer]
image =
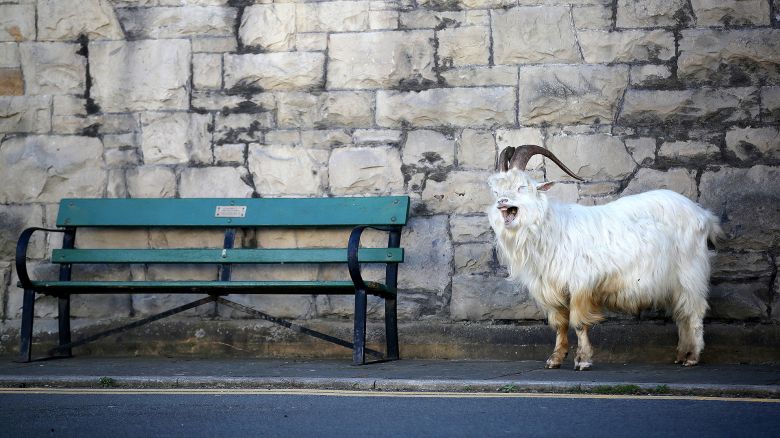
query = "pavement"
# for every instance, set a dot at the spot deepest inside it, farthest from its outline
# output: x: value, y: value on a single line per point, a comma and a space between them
x: 403, y: 375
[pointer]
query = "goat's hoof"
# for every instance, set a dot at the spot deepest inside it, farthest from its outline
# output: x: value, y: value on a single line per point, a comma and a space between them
x: 690, y: 363
x: 583, y: 366
x: 552, y: 365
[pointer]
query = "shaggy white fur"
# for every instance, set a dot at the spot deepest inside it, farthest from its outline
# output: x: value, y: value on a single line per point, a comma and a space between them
x: 642, y: 251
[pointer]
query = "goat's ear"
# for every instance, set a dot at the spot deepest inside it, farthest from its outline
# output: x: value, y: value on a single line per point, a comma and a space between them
x: 545, y: 186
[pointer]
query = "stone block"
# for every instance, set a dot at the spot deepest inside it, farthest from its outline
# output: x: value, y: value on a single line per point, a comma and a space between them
x: 461, y: 192
x: 522, y: 35
x: 468, y: 107
x: 311, y: 42
x: 748, y: 203
x: 112, y: 238
x: 230, y: 154
x: 325, y: 110
x: 148, y: 305
x: 735, y: 57
x: 151, y: 182
x: 473, y: 258
x: 11, y: 82
x: 770, y: 103
x: 376, y: 136
x: 712, y: 105
x: 470, y: 229
x: 283, y: 138
x: 207, y: 70
x: 325, y: 138
x: 17, y: 22
x: 48, y: 168
x: 476, y: 150
x: 641, y: 149
x: 66, y: 20
x: 652, y: 13
x: 383, y: 20
x: 333, y: 16
x: 177, y: 22
x: 317, y: 238
x: 214, y: 45
x: 45, y: 306
x: 140, y: 75
x: 564, y: 193
x: 215, y: 182
x: 596, y: 157
x: 733, y: 266
x: 649, y: 75
x: 626, y: 46
x: 521, y: 136
x: 688, y: 150
x: 573, y: 95
x: 431, y: 19
x: 274, y: 71
x: 281, y: 306
x: 13, y: 220
x: 5, y: 287
x: 738, y: 301
x: 175, y: 138
x: 241, y: 128
x: 593, y: 17
x: 365, y: 170
x: 188, y: 238
x: 464, y: 46
x: 288, y: 170
x: 25, y: 114
x: 481, y: 76
x: 9, y: 55
x: 381, y: 60
x: 682, y: 181
x: 731, y: 12
x: 270, y: 27
x: 480, y: 298
x: 754, y: 143
x: 424, y: 148
x: 428, y: 254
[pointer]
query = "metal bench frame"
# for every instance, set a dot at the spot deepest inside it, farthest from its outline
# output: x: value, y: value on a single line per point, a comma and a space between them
x: 383, y: 213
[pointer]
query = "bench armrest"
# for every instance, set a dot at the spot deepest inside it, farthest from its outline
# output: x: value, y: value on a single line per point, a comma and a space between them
x: 352, y: 254
x: 21, y: 253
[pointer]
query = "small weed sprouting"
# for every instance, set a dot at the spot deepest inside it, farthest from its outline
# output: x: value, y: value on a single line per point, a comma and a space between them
x: 106, y: 382
x: 509, y: 388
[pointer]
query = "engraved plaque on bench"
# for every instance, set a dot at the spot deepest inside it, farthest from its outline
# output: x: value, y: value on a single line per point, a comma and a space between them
x: 230, y: 211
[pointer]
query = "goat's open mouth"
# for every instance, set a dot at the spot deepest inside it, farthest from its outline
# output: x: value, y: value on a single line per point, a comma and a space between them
x: 509, y: 213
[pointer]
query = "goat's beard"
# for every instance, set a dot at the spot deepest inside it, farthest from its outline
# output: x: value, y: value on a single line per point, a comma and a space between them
x: 515, y: 238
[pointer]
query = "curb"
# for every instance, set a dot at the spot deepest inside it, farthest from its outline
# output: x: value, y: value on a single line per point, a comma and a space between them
x: 390, y: 385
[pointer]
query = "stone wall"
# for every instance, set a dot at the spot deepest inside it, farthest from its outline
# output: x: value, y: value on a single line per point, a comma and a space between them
x: 241, y: 98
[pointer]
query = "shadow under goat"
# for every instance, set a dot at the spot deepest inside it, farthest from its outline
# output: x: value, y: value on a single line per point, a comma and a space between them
x: 642, y: 251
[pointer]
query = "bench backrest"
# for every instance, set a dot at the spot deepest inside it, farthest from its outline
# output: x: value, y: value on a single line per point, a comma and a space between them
x: 385, y: 211
x: 227, y: 212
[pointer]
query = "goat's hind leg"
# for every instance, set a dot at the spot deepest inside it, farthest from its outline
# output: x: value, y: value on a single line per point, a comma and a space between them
x: 559, y: 319
x: 690, y: 330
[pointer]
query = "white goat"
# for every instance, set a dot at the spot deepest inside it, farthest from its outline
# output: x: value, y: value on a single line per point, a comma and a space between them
x: 641, y: 251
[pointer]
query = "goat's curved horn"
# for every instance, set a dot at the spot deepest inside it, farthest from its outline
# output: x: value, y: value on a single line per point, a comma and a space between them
x: 525, y: 152
x: 503, y: 159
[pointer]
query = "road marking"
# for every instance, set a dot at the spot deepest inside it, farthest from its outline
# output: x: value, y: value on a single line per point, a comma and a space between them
x: 349, y: 393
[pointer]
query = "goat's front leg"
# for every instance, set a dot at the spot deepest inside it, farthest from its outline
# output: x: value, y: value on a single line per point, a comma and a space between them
x: 584, y: 359
x: 559, y: 319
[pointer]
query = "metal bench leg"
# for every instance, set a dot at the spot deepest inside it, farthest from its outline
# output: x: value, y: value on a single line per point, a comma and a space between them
x: 359, y: 342
x: 64, y: 325
x: 25, y: 336
x: 391, y: 328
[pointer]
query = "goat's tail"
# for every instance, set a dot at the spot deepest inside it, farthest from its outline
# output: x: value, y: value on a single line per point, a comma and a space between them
x: 714, y: 231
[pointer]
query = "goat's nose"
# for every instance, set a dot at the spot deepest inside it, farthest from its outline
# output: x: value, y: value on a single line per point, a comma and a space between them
x: 503, y: 201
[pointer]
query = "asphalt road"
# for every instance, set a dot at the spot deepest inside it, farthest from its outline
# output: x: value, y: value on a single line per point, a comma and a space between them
x: 119, y: 413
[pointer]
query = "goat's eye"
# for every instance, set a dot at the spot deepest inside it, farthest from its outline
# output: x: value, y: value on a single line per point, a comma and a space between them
x: 521, y: 188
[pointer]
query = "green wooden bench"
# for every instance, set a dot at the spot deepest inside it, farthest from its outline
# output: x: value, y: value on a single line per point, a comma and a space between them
x: 387, y: 213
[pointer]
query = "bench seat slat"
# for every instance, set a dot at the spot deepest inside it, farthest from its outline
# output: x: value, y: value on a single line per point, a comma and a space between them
x: 260, y: 212
x: 242, y: 287
x: 215, y: 256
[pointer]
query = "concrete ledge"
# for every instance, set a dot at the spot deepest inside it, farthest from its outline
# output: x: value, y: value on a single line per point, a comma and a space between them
x: 615, y: 342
